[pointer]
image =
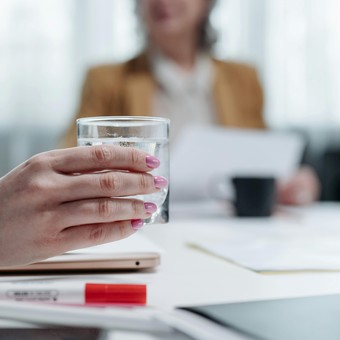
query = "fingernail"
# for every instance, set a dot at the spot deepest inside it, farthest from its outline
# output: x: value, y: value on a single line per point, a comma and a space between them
x: 160, y: 182
x: 150, y: 207
x: 152, y: 162
x: 137, y: 224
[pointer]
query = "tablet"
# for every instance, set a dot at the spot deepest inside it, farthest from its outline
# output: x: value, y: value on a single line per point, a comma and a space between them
x: 312, y: 318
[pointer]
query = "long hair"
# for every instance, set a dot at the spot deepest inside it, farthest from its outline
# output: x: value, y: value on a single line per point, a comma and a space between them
x: 207, y: 35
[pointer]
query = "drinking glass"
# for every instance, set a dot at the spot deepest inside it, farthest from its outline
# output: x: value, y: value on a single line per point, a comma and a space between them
x: 150, y: 134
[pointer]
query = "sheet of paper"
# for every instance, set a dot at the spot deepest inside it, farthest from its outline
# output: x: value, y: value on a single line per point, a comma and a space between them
x: 203, y: 156
x: 280, y: 244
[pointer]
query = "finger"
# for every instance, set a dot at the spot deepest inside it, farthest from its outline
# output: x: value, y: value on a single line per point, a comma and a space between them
x: 94, y: 234
x: 109, y: 184
x: 302, y: 197
x: 103, y: 211
x: 102, y: 157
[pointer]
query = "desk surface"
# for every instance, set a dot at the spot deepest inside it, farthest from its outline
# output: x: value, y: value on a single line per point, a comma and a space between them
x: 190, y: 277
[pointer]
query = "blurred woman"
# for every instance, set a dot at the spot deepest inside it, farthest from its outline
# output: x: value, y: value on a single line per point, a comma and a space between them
x: 177, y: 77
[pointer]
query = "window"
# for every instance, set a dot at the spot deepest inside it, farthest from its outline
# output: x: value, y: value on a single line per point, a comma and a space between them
x: 47, y: 45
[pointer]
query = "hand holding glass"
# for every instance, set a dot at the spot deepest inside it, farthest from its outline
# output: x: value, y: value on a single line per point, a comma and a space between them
x: 149, y: 134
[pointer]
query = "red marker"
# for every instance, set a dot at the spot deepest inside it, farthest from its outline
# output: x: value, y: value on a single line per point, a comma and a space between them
x: 115, y: 293
x: 74, y: 292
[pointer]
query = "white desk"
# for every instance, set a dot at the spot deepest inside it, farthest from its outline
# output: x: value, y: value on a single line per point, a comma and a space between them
x: 190, y: 277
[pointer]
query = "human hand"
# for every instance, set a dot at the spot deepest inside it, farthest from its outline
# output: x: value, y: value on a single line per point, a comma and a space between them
x: 302, y: 189
x: 72, y: 198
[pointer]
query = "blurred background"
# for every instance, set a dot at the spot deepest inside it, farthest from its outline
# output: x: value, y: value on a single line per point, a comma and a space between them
x: 46, y: 47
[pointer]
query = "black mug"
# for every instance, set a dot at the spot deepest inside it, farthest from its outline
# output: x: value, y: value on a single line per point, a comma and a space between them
x: 254, y: 196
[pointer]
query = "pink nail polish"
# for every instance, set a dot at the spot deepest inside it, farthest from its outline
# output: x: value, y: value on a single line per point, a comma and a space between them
x: 137, y: 224
x: 150, y: 207
x: 160, y: 182
x: 152, y: 162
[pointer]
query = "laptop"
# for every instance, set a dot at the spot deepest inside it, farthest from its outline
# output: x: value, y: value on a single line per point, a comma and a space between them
x: 133, y: 253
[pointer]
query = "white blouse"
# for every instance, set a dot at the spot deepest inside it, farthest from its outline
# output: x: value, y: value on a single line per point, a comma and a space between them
x: 184, y: 97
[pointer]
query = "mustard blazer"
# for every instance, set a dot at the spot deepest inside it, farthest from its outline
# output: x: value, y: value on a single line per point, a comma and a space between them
x: 128, y: 89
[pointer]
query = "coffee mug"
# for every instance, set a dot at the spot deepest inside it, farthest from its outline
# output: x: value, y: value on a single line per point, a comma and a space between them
x: 254, y: 196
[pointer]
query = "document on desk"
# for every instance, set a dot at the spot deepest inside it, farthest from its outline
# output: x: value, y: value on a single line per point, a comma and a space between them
x: 278, y: 245
x: 201, y: 155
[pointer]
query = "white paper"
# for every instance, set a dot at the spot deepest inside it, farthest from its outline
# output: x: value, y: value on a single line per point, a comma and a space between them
x: 204, y: 156
x: 279, y: 244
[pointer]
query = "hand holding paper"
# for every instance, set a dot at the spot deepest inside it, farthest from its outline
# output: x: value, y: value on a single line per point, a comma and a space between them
x: 204, y: 154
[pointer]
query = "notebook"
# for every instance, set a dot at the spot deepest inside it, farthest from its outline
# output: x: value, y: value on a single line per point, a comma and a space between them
x: 133, y: 253
x: 312, y: 318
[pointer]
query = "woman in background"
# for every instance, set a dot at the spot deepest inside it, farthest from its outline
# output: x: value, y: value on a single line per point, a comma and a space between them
x: 177, y: 77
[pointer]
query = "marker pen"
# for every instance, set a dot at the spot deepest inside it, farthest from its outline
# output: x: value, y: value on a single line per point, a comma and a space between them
x: 73, y: 292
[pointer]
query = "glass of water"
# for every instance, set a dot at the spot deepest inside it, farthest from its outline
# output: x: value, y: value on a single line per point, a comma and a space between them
x: 150, y: 134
